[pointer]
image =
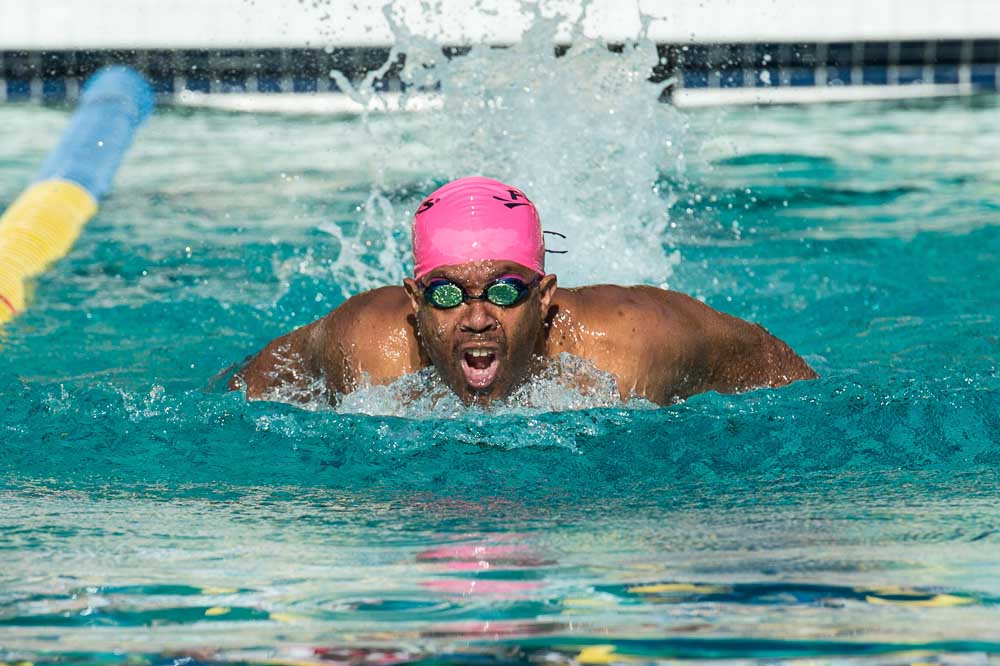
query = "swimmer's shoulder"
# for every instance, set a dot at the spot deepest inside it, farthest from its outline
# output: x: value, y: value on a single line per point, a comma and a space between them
x: 365, y: 314
x: 625, y: 315
x: 664, y: 345
x: 672, y: 345
x: 643, y: 335
x: 370, y: 337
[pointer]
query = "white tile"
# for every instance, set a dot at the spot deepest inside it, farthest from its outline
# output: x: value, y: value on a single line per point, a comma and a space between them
x: 272, y: 23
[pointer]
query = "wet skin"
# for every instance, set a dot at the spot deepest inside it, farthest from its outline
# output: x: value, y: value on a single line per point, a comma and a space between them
x: 659, y: 345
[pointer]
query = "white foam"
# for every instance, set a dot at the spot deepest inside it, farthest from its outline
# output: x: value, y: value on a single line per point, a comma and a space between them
x: 567, y: 383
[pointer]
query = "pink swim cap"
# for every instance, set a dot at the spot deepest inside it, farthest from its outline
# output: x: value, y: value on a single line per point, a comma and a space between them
x: 476, y: 219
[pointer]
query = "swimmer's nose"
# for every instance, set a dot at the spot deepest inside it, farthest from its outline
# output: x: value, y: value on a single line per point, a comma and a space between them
x: 476, y: 318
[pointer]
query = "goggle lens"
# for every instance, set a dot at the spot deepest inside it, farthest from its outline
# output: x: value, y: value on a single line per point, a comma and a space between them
x: 445, y: 295
x: 504, y: 292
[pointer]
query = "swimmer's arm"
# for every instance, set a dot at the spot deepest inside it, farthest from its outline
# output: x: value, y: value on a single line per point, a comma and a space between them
x: 731, y: 355
x: 308, y: 362
x: 750, y: 357
x: 365, y: 340
x: 285, y: 363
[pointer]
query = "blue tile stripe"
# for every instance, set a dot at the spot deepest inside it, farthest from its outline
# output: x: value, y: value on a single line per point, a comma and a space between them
x: 56, y: 76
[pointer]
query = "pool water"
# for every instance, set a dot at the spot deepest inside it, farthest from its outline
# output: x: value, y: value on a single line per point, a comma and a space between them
x: 149, y: 516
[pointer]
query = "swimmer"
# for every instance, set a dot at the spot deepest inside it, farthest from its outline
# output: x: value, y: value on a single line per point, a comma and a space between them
x: 482, y: 310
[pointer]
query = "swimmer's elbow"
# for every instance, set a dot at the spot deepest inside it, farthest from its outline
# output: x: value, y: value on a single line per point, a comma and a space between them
x: 757, y: 359
x: 788, y: 370
x: 236, y: 382
x: 282, y: 362
x: 783, y: 363
x: 251, y: 380
x: 257, y: 375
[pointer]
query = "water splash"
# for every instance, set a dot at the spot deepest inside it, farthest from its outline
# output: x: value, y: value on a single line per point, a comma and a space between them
x: 566, y: 383
x: 581, y: 131
x: 583, y: 134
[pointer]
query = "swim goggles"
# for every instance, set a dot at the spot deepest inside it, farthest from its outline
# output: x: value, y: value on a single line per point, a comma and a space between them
x: 505, y: 291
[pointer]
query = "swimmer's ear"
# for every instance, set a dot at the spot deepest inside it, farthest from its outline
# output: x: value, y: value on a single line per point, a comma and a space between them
x: 546, y: 289
x: 413, y: 292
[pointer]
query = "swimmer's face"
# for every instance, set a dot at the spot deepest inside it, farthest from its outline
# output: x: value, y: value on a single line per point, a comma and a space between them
x: 481, y: 350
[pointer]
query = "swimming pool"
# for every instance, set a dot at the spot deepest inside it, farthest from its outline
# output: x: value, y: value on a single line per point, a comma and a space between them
x: 150, y: 517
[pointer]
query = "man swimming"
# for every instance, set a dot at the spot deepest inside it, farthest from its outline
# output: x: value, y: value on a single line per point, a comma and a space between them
x: 482, y: 310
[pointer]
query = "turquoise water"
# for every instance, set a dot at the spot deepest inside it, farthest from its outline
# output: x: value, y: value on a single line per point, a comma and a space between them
x: 148, y: 516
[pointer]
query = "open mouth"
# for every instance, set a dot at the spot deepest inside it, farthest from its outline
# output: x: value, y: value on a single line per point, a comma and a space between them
x: 480, y: 367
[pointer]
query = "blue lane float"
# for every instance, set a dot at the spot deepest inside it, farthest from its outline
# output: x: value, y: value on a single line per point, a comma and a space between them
x: 42, y: 224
